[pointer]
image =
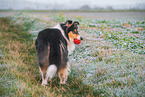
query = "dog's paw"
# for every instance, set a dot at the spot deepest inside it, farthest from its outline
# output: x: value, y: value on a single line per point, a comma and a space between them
x: 44, y: 83
x: 62, y: 82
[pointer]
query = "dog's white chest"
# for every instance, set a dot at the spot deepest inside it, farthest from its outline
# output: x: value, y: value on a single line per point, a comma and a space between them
x: 71, y: 46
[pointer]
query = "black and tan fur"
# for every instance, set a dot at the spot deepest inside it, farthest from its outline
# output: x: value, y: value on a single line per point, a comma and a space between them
x: 53, y: 46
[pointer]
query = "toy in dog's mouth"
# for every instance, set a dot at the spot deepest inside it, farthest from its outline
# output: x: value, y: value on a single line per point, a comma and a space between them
x: 77, y: 41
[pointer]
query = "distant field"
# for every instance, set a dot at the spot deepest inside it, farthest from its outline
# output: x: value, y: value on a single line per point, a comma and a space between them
x: 110, y: 61
x: 99, y: 15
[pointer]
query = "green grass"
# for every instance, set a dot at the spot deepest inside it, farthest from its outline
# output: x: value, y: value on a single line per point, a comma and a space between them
x: 110, y: 61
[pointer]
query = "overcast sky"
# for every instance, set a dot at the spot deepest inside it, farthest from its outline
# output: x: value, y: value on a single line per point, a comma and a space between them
x: 70, y: 4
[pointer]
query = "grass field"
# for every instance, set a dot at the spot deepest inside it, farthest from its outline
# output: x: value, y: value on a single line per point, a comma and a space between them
x: 110, y: 61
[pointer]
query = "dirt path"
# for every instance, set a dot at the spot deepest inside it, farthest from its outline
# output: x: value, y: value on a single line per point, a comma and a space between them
x: 100, y: 15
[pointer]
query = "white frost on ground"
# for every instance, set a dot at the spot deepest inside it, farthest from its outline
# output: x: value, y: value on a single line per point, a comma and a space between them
x: 100, y: 60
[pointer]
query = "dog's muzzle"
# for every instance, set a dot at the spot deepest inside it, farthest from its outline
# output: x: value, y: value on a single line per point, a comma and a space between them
x: 80, y: 38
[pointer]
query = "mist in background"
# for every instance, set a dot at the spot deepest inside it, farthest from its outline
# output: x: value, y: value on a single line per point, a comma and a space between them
x: 72, y: 4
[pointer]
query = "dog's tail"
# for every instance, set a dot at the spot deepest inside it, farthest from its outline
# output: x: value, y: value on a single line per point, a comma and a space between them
x: 51, y: 71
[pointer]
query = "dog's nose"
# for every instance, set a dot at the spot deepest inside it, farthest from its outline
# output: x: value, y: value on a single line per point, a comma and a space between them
x: 81, y: 38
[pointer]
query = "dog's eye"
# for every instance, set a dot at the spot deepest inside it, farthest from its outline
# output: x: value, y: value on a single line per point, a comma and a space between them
x: 75, y: 31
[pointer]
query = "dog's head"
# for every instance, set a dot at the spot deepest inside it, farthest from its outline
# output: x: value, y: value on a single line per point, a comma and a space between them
x: 72, y: 30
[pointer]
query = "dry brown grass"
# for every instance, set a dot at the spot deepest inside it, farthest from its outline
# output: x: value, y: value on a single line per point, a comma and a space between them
x: 20, y: 75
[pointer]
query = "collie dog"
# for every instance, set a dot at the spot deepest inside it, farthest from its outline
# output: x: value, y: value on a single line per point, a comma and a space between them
x: 53, y: 46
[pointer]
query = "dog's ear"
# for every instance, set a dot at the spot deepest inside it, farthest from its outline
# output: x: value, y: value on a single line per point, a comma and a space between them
x: 76, y: 22
x: 68, y: 23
